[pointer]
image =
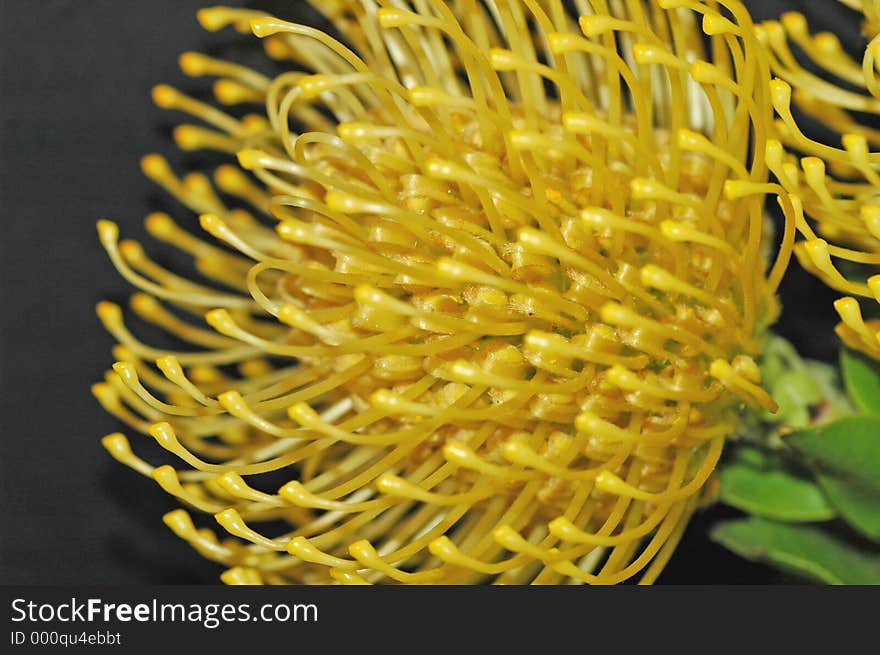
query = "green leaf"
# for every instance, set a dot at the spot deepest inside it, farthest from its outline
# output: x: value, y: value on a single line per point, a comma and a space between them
x: 849, y: 448
x: 774, y: 494
x: 753, y: 458
x: 793, y: 402
x: 795, y: 392
x: 798, y: 389
x: 862, y: 380
x: 859, y: 505
x: 805, y: 550
x: 834, y: 401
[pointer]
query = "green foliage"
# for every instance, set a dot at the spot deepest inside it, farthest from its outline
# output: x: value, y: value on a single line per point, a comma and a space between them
x: 774, y: 494
x: 800, y: 386
x: 848, y: 448
x: 859, y: 505
x: 809, y: 476
x: 862, y: 380
x: 804, y: 550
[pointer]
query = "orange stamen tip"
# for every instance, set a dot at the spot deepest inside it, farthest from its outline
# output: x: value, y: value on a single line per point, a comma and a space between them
x: 131, y: 250
x: 154, y: 165
x: 108, y: 232
x: 212, y: 19
x: 264, y: 26
x: 159, y: 223
x: 107, y: 310
x: 192, y: 63
x: 187, y: 137
x: 165, y: 96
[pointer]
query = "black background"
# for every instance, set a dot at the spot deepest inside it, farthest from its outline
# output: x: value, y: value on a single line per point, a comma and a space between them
x: 76, y: 117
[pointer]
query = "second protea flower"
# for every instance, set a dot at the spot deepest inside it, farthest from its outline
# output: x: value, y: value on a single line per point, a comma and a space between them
x: 492, y: 306
x: 833, y: 182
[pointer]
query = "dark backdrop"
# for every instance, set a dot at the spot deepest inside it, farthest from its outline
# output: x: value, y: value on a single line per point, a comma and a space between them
x: 75, y: 77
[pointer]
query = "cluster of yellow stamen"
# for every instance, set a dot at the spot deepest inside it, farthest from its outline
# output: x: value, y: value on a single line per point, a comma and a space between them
x: 492, y: 306
x: 835, y: 186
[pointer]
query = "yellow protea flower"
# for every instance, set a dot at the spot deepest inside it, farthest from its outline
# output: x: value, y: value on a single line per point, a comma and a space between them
x: 494, y: 301
x: 837, y: 187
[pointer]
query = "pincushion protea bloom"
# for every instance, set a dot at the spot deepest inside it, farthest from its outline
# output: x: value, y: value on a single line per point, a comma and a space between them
x: 493, y: 303
x: 837, y: 187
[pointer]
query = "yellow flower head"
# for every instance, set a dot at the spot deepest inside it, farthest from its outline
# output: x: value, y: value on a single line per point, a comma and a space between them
x: 492, y: 307
x: 836, y: 185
